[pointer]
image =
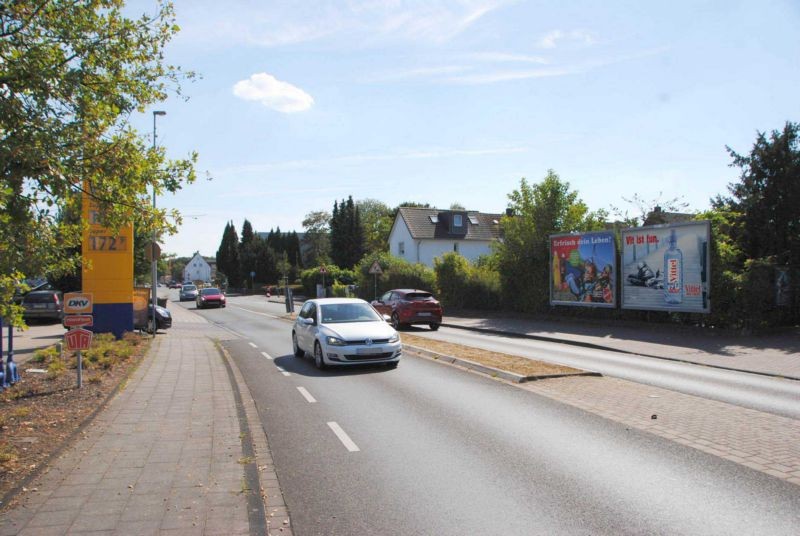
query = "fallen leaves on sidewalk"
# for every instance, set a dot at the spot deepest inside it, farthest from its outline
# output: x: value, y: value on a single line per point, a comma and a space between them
x: 39, y: 414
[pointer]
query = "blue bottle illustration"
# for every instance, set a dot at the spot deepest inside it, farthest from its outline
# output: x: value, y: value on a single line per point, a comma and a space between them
x: 673, y: 272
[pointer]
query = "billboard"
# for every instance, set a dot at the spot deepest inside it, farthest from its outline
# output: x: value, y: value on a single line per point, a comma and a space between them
x: 666, y: 267
x: 583, y: 269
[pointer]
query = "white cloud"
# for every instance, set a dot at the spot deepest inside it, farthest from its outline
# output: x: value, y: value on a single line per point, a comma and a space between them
x: 551, y: 39
x: 273, y: 93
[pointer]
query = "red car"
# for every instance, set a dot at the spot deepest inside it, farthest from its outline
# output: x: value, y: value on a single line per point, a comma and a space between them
x: 208, y: 297
x: 410, y: 306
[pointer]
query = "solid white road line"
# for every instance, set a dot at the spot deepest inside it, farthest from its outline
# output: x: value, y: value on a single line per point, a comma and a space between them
x: 282, y: 371
x: 307, y: 395
x: 343, y: 437
x: 265, y: 354
x: 253, y: 345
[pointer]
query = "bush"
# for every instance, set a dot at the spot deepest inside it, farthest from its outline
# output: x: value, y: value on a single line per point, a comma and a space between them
x: 397, y: 273
x: 463, y: 285
x: 334, y: 276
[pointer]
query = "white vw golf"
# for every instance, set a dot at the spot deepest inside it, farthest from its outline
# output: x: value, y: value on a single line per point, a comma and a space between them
x: 344, y: 331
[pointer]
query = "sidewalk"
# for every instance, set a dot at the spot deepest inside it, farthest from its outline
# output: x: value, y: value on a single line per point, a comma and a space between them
x: 167, y: 456
x: 774, y: 355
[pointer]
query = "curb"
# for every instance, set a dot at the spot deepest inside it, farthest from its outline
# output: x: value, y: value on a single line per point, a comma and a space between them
x: 484, y: 369
x: 594, y: 346
x: 272, y: 504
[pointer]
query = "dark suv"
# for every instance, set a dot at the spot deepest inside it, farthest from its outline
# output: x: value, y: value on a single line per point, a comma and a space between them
x: 45, y: 304
x: 407, y: 306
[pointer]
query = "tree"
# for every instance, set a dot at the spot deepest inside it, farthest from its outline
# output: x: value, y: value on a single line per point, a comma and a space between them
x: 539, y: 210
x: 347, y: 237
x: 317, y: 237
x: 767, y: 197
x: 228, y: 255
x: 376, y: 222
x: 71, y: 75
x: 649, y: 212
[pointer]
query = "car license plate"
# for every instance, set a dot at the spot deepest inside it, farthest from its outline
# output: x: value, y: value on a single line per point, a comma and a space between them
x: 423, y: 314
x: 40, y: 306
x: 369, y: 351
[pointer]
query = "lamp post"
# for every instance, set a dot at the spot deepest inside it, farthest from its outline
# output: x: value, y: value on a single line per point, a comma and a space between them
x: 154, y: 262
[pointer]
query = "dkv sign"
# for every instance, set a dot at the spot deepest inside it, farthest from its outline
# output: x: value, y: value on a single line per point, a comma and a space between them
x: 77, y: 302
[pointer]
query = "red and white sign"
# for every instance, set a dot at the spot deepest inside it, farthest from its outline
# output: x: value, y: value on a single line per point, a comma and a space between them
x: 77, y: 302
x: 375, y: 268
x: 323, y: 270
x: 72, y: 321
x: 78, y: 339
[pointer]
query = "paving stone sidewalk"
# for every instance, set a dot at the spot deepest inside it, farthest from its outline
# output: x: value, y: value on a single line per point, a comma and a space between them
x: 165, y: 456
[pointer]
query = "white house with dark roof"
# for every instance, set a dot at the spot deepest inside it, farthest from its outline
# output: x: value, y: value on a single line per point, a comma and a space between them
x: 198, y: 269
x: 422, y: 234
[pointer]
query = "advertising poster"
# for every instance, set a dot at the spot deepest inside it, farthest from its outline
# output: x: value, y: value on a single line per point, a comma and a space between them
x: 583, y: 269
x: 666, y: 267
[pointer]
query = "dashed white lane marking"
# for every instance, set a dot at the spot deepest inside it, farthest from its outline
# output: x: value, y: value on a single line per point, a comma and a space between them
x: 307, y: 395
x: 343, y: 437
x: 265, y: 354
x: 253, y: 345
x: 282, y: 371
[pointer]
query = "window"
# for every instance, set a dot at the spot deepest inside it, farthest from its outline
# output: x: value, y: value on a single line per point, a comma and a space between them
x: 455, y: 247
x: 434, y: 219
x: 457, y: 222
x: 401, y: 248
x: 473, y: 220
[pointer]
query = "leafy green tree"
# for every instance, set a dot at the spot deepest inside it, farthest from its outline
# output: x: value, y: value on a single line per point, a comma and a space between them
x: 767, y: 197
x: 539, y: 210
x: 347, y: 236
x: 376, y: 221
x: 228, y: 255
x: 71, y: 74
x: 317, y: 238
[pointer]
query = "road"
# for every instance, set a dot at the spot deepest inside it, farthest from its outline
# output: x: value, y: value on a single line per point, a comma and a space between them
x: 431, y: 449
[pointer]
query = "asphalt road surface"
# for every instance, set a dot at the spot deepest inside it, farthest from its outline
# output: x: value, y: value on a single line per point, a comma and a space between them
x: 430, y: 449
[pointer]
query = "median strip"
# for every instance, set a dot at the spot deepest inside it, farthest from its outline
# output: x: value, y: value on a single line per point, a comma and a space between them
x: 511, y: 368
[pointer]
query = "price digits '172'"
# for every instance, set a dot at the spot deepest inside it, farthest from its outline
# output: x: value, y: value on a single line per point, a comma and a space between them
x: 108, y: 243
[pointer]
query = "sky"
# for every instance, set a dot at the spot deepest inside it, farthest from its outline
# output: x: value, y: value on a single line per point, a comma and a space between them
x: 300, y: 104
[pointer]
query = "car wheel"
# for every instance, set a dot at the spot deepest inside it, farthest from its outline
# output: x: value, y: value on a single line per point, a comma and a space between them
x: 434, y: 326
x: 392, y: 365
x: 396, y: 321
x: 318, y: 361
x: 298, y: 352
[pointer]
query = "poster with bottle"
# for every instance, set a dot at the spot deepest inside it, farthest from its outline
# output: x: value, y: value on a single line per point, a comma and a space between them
x: 583, y: 269
x: 666, y: 267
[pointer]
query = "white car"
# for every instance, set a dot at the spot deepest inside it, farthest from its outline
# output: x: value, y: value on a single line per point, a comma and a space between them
x: 344, y: 331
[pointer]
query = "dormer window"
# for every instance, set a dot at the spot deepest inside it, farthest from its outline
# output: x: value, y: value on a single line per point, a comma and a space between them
x: 434, y: 219
x: 457, y: 221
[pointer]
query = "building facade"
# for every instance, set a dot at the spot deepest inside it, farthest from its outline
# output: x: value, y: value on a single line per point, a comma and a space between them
x: 198, y: 269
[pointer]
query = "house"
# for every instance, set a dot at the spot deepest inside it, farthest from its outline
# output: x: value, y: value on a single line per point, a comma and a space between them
x: 422, y: 234
x: 198, y: 269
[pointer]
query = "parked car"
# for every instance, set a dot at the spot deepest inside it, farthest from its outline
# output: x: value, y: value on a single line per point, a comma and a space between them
x: 208, y: 297
x: 46, y: 304
x: 188, y: 293
x: 407, y: 306
x: 163, y: 319
x: 344, y: 331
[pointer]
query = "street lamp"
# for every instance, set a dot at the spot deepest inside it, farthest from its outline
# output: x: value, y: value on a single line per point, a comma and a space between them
x: 154, y: 262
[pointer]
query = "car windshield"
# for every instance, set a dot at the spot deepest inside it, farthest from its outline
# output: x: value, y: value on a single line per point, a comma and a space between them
x: 418, y: 296
x: 337, y: 313
x: 189, y: 287
x: 207, y: 291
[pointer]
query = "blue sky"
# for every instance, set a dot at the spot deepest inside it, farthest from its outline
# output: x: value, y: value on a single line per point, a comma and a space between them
x: 443, y: 101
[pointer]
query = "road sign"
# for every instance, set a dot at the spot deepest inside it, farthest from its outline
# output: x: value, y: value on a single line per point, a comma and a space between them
x: 323, y: 270
x: 77, y: 302
x: 375, y: 268
x: 78, y: 339
x: 152, y: 252
x: 72, y: 321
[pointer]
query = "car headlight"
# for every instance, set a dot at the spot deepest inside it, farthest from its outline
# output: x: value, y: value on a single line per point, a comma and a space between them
x: 394, y: 338
x: 334, y: 341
